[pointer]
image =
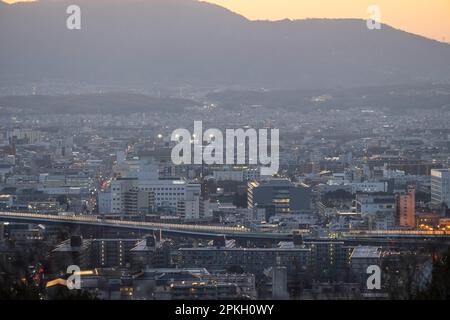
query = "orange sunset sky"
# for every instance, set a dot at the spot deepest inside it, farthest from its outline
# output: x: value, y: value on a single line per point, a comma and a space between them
x: 430, y: 18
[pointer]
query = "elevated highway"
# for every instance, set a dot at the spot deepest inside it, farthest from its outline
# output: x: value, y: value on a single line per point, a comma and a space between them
x: 188, y: 230
x: 390, y: 238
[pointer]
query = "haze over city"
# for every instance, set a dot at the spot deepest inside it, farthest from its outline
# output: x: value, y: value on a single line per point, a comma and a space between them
x: 222, y: 158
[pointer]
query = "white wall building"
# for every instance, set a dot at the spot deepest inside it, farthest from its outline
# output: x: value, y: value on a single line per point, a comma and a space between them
x: 238, y: 174
x: 133, y: 196
x: 440, y: 186
x: 379, y: 210
x: 369, y: 187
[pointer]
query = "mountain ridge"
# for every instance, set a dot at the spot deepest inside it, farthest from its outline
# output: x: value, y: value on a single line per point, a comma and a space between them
x: 188, y: 42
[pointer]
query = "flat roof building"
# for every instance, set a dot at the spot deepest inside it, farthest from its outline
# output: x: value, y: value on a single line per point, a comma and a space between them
x: 440, y: 187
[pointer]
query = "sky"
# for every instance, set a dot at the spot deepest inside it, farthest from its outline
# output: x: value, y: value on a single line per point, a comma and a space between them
x: 429, y: 18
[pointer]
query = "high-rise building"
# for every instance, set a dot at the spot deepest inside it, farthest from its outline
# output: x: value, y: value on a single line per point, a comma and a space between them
x: 283, y: 195
x: 2, y: 231
x: 406, y: 208
x: 329, y: 260
x: 440, y: 187
x: 279, y: 283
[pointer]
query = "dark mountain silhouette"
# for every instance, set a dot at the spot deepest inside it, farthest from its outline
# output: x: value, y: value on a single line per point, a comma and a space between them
x: 181, y: 42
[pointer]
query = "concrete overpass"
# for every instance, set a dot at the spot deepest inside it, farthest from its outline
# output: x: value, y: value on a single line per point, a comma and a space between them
x: 187, y: 230
x: 378, y: 238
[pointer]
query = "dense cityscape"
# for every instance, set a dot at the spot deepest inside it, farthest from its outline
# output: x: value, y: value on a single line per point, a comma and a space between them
x: 116, y: 182
x: 356, y: 189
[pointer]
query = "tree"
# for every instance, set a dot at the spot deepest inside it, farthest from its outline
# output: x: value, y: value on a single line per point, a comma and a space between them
x: 405, y: 274
x: 439, y: 287
x: 17, y: 290
x: 62, y: 293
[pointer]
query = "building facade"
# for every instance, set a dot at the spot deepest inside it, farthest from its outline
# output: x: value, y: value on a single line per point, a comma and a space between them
x: 283, y: 195
x: 440, y: 187
x: 406, y: 208
x: 133, y: 196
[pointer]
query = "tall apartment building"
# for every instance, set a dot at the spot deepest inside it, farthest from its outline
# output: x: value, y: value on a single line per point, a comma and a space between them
x: 191, y: 207
x: 406, y: 208
x: 329, y: 260
x: 440, y: 187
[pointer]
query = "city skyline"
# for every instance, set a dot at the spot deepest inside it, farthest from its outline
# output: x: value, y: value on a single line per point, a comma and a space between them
x: 173, y: 150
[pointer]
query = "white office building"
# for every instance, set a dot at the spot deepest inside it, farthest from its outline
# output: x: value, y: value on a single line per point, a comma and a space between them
x: 440, y: 186
x: 140, y: 196
x: 369, y: 187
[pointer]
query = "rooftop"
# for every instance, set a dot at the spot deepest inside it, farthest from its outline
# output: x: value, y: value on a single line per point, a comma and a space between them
x: 366, y: 252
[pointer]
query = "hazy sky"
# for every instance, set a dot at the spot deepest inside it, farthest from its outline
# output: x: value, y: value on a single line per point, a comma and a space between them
x: 430, y: 18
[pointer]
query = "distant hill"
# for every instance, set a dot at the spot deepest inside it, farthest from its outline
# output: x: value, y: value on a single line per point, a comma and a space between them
x: 109, y: 103
x: 180, y: 42
x: 395, y: 98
